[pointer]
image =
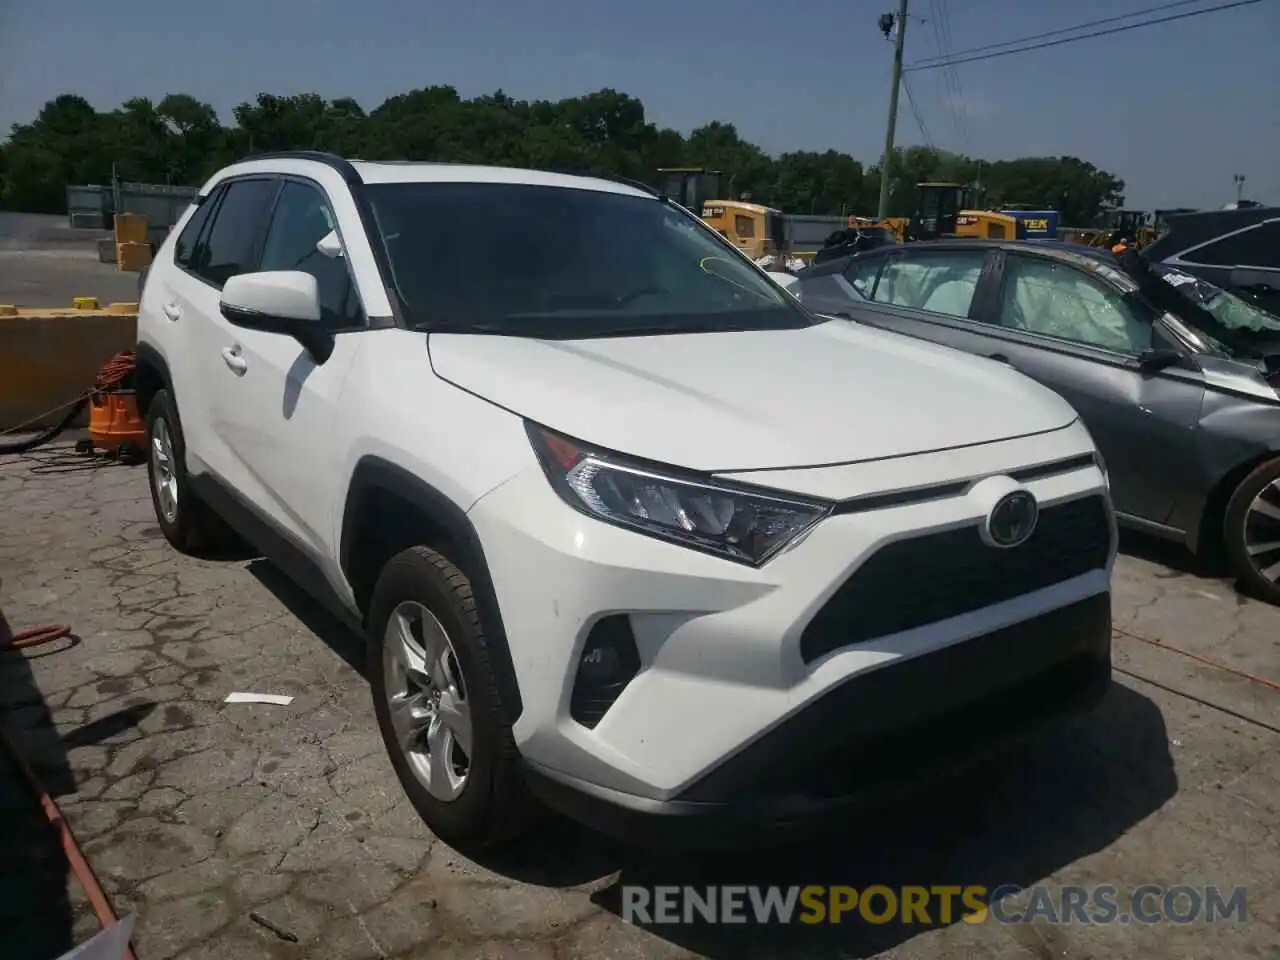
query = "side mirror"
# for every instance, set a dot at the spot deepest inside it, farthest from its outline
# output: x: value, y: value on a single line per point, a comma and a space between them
x: 330, y: 246
x: 787, y: 281
x: 278, y: 301
x: 1159, y: 358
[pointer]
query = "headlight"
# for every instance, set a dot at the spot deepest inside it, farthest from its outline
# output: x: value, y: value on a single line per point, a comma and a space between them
x: 735, y: 523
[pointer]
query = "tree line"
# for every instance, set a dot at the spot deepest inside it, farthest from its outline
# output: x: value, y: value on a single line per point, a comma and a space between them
x: 180, y: 140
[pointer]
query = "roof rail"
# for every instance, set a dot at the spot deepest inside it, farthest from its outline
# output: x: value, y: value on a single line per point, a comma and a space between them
x: 626, y: 181
x: 332, y: 160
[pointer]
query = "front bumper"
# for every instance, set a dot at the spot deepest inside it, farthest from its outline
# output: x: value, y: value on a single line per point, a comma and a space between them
x: 874, y: 737
x: 720, y: 644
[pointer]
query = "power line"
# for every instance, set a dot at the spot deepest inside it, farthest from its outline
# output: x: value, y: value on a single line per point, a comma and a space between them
x: 964, y: 58
x: 1059, y: 32
x: 958, y: 110
x: 915, y: 112
x: 947, y: 82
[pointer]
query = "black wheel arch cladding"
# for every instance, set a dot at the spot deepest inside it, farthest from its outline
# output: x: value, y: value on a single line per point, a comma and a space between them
x: 373, y: 476
x: 152, y: 375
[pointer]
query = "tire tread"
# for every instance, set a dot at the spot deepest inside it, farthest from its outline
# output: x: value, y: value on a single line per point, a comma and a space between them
x: 509, y: 806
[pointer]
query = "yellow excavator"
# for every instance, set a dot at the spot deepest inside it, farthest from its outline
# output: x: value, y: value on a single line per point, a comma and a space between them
x: 942, y: 210
x: 947, y: 210
x: 1133, y: 228
x: 754, y: 229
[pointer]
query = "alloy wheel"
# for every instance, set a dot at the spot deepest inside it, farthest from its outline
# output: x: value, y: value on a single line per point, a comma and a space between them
x: 1262, y: 532
x: 427, y: 700
x: 164, y: 470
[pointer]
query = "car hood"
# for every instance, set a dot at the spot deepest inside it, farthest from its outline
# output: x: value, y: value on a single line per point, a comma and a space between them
x: 832, y: 393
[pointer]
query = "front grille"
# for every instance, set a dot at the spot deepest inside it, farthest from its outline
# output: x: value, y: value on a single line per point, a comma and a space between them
x: 921, y: 580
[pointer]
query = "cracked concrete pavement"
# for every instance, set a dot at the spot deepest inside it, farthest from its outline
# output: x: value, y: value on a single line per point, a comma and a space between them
x: 195, y: 813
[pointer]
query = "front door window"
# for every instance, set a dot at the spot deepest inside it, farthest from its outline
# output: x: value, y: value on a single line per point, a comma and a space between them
x: 1060, y: 301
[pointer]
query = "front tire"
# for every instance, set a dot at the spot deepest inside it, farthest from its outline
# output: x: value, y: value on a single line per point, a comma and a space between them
x: 1252, y: 532
x: 437, y: 703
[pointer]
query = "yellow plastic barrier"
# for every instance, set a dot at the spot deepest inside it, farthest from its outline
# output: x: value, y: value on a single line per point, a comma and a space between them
x: 130, y: 228
x: 51, y: 356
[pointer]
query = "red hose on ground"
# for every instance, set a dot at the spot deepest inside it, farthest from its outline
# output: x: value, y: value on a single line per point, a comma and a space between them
x: 1199, y: 659
x: 24, y: 640
x: 112, y: 373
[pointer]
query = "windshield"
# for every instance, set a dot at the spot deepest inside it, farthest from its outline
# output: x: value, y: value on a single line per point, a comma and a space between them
x: 545, y: 261
x: 1235, y: 326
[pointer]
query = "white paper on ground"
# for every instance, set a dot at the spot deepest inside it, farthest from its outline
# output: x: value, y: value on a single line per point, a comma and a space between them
x: 110, y: 943
x: 276, y: 698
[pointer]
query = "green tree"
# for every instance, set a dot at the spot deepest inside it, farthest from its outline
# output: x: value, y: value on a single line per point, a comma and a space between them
x: 197, y: 143
x: 823, y: 183
x: 745, y: 169
x: 181, y: 140
x: 68, y: 143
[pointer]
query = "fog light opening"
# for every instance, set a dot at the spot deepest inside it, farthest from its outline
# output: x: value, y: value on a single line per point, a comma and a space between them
x: 609, y: 661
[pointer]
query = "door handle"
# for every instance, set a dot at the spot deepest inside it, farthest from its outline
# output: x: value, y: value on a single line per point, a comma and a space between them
x: 1000, y: 357
x: 172, y: 311
x: 231, y: 357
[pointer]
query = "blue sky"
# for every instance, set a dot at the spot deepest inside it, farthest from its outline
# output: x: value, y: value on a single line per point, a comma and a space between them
x: 1174, y: 109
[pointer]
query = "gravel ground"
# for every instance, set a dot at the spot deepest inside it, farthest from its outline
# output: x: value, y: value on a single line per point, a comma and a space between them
x: 195, y: 813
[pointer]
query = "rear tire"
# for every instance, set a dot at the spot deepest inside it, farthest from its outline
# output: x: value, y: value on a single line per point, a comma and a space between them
x: 1251, y: 532
x: 184, y: 519
x: 421, y: 593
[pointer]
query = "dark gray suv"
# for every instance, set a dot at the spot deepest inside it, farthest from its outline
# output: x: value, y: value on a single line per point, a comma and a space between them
x: 1177, y: 380
x: 1235, y: 249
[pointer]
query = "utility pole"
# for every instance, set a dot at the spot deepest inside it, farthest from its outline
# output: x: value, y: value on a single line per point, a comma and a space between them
x: 889, y: 22
x: 1238, y: 178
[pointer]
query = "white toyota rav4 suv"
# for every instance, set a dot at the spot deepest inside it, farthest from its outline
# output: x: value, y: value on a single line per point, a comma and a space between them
x: 628, y: 530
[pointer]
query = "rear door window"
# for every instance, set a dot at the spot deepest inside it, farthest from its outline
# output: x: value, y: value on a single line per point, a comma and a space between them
x: 937, y: 281
x: 235, y: 239
x: 184, y: 249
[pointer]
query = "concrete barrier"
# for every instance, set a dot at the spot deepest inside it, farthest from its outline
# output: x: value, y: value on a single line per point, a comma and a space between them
x: 49, y: 357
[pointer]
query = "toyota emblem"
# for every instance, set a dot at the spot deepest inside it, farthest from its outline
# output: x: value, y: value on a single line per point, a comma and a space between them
x: 1012, y: 519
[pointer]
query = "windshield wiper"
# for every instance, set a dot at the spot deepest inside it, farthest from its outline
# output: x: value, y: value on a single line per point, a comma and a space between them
x: 490, y: 329
x: 626, y: 298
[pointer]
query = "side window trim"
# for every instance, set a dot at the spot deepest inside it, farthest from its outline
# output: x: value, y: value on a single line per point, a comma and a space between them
x: 1077, y: 348
x: 985, y: 307
x: 337, y: 226
x: 1189, y: 256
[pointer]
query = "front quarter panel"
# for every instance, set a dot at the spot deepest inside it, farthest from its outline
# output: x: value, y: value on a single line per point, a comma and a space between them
x: 1234, y: 433
x: 396, y: 409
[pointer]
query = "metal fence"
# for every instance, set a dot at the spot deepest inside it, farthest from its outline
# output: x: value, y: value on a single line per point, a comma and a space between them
x: 807, y: 233
x: 92, y: 206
